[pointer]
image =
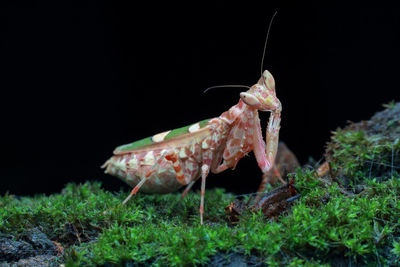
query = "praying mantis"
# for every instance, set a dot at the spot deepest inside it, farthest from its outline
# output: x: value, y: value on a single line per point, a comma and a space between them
x: 167, y: 161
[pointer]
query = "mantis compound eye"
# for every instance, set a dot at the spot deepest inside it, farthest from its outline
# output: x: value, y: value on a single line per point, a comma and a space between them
x: 249, y: 99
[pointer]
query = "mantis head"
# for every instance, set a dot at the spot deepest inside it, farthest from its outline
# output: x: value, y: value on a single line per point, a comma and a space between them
x: 262, y: 95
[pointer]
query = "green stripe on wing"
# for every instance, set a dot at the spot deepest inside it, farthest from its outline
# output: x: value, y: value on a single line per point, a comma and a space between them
x: 148, y: 140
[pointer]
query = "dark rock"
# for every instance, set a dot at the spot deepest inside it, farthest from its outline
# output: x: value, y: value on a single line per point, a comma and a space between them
x: 40, y: 242
x: 33, y: 249
x: 36, y: 261
x: 235, y: 260
x: 385, y: 122
x: 11, y: 250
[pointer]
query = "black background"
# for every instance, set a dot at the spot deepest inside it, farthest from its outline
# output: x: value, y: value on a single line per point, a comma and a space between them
x: 77, y: 81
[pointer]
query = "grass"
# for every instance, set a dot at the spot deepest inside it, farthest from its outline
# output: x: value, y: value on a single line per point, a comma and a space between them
x: 330, y: 224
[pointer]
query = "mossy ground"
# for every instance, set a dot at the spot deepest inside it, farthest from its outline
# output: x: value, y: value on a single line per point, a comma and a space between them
x: 330, y: 224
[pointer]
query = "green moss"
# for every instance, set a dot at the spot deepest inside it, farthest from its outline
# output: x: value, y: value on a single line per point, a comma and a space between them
x: 161, y: 230
x: 359, y: 156
x: 391, y: 104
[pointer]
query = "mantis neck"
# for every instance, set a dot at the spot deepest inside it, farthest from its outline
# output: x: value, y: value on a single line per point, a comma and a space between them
x: 233, y: 113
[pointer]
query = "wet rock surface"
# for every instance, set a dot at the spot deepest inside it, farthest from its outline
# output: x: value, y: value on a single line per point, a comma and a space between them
x: 33, y: 248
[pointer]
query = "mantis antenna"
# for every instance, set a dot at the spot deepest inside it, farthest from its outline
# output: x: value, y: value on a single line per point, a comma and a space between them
x: 226, y: 85
x: 266, y: 40
x: 262, y: 61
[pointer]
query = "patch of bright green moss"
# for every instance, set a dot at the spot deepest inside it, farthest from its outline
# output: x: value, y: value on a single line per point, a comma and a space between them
x: 161, y: 230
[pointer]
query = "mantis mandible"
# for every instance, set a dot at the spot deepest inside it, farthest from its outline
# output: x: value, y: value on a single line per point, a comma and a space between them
x: 169, y: 160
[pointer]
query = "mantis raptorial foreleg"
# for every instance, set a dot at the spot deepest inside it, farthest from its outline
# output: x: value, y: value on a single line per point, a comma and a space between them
x: 265, y: 153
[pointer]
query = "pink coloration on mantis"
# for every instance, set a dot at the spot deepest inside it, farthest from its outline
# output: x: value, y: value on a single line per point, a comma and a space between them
x: 165, y: 165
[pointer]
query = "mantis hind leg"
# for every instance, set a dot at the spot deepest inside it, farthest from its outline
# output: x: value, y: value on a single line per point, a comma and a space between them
x: 187, y: 189
x: 142, y: 181
x: 135, y: 190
